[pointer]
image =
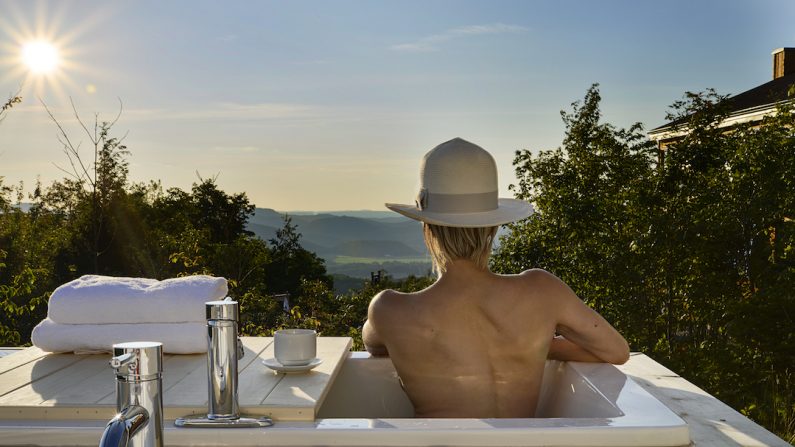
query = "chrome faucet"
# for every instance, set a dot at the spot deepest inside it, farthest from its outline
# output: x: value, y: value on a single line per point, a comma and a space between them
x: 224, y: 349
x: 139, y: 398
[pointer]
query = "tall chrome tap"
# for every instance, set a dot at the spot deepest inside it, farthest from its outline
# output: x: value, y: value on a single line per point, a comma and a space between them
x: 224, y: 349
x: 139, y: 397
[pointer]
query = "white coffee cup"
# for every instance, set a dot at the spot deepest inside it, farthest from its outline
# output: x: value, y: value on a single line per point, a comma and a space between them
x: 295, y: 347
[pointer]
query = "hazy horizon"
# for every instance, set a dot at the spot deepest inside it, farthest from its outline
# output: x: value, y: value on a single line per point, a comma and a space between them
x: 329, y: 106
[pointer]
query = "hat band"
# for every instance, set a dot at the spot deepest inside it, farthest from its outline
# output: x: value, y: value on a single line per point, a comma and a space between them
x: 457, y: 203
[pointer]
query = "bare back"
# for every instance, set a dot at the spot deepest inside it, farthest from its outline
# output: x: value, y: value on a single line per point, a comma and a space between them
x: 474, y: 344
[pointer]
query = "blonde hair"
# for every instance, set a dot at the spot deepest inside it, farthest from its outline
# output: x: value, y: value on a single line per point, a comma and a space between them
x: 447, y: 244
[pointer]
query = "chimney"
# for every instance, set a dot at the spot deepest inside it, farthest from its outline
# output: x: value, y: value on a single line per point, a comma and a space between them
x: 783, y: 62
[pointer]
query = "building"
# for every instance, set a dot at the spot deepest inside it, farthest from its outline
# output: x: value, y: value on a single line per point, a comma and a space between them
x: 283, y: 299
x: 750, y: 106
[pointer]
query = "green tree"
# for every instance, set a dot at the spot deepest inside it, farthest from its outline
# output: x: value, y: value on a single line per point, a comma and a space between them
x: 291, y: 263
x: 225, y: 216
x: 93, y: 196
x: 590, y: 196
x: 25, y: 267
x: 730, y: 197
x: 688, y: 252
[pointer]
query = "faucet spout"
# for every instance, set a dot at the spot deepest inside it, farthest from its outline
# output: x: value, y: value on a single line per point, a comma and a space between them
x: 124, y: 426
x: 139, y: 395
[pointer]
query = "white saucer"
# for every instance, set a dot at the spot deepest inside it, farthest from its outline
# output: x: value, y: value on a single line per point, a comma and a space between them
x: 274, y: 364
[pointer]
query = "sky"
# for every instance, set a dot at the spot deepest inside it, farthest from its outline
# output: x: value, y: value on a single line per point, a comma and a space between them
x: 330, y: 105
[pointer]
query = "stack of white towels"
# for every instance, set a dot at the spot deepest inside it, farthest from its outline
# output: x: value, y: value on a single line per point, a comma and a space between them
x: 93, y: 312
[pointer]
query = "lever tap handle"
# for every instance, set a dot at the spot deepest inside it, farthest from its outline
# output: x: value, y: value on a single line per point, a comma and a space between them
x: 122, y: 360
x: 142, y: 360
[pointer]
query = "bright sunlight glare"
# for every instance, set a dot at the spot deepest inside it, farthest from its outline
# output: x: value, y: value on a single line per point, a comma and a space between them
x: 40, y: 57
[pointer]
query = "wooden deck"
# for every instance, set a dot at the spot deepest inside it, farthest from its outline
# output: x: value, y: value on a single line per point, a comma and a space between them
x: 711, y: 422
x: 42, y: 386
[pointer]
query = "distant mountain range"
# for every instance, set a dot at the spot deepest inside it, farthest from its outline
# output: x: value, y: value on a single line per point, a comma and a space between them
x: 354, y: 243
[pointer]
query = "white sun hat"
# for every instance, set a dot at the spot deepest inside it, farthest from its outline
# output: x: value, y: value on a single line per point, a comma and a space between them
x: 458, y: 188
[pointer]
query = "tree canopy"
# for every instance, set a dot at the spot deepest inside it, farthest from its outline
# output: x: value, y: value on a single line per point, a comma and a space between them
x: 689, y: 251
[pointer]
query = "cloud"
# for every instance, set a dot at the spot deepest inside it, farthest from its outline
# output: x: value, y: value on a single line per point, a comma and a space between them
x: 228, y: 38
x: 243, y: 149
x: 232, y: 111
x: 431, y: 43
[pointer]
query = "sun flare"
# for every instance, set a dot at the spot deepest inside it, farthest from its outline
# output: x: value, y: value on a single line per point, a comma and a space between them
x: 44, y: 54
x: 41, y: 57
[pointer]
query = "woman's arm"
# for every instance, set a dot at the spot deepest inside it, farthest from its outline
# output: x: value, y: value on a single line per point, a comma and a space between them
x: 582, y: 327
x: 372, y: 340
x: 564, y: 350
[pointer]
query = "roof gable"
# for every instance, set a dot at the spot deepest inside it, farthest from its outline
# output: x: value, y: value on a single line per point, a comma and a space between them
x: 766, y: 95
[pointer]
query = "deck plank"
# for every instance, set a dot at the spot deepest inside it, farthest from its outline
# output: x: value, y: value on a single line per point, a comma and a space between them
x: 711, y: 421
x: 97, y: 385
x: 38, y: 369
x: 22, y: 357
x: 299, y: 396
x: 191, y: 390
x: 63, y: 381
x: 175, y: 369
x: 256, y: 382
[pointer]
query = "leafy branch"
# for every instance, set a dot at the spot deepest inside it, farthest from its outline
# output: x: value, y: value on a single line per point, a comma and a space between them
x: 12, y: 101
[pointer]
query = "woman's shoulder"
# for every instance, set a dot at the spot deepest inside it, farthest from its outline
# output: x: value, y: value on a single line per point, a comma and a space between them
x: 389, y: 307
x: 537, y: 283
x: 389, y: 298
x: 532, y: 277
x: 538, y: 276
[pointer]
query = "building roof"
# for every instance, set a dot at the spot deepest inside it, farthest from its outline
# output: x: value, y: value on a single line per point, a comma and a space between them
x: 765, y: 96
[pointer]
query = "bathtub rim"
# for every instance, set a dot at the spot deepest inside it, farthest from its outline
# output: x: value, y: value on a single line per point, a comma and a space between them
x: 638, y: 407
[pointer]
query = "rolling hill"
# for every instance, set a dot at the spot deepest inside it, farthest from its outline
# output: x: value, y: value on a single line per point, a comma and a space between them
x: 364, y: 241
x: 375, y: 249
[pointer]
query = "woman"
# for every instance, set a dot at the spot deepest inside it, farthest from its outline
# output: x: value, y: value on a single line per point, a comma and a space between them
x: 474, y: 343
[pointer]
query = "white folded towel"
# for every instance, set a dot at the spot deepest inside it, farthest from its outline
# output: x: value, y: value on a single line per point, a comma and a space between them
x: 94, y: 299
x: 177, y: 338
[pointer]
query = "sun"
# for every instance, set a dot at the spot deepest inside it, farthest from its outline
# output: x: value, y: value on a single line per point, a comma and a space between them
x: 41, y: 57
x: 41, y: 51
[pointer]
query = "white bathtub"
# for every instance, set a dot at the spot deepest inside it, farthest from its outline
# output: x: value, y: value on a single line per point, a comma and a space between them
x: 581, y: 405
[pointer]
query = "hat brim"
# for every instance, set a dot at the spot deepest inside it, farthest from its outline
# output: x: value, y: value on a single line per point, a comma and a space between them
x: 508, y: 210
